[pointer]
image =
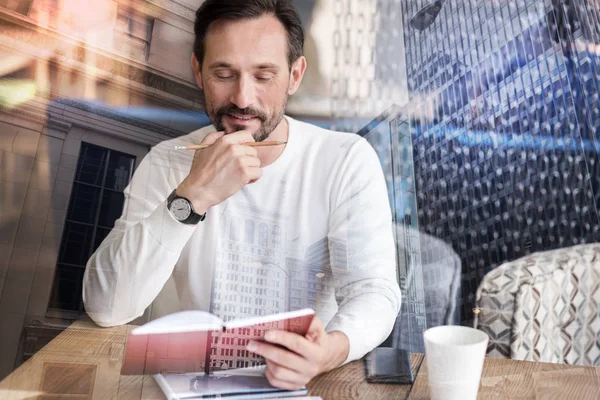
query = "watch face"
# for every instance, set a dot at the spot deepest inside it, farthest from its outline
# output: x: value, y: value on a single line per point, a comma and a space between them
x: 180, y: 209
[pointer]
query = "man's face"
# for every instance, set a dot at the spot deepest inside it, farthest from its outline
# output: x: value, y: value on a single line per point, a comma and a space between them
x: 246, y: 76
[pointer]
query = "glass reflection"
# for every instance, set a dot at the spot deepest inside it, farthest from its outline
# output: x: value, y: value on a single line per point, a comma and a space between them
x: 484, y: 115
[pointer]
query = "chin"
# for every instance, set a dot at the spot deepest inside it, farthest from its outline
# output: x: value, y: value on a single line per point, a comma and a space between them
x: 260, y: 136
x: 257, y: 133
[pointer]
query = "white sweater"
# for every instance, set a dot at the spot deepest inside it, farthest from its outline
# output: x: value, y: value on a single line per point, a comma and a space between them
x: 318, y: 224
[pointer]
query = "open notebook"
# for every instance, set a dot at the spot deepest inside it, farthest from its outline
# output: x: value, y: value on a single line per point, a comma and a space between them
x: 196, y: 341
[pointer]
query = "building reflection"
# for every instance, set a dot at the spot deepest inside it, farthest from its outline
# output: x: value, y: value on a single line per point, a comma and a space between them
x: 508, y: 165
x: 86, y: 88
x: 497, y: 106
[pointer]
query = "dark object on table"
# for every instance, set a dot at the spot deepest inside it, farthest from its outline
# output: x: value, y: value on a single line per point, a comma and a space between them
x: 389, y: 365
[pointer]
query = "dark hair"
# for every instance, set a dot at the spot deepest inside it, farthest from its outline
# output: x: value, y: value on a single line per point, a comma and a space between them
x: 213, y: 10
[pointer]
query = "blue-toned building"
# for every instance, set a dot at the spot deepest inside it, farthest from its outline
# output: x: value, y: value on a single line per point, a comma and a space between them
x: 508, y: 164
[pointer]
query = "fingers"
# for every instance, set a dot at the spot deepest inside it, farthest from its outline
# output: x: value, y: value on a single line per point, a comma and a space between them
x: 238, y: 137
x: 222, y: 168
x: 278, y: 355
x: 296, y: 343
x: 236, y: 140
x: 249, y: 168
x: 315, y: 329
x: 253, y: 174
x: 250, y: 161
x: 212, y: 137
x: 284, y: 378
x: 233, y: 138
x: 249, y: 151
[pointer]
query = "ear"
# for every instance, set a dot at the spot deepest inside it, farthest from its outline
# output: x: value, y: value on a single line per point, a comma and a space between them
x: 197, y: 71
x: 296, y: 75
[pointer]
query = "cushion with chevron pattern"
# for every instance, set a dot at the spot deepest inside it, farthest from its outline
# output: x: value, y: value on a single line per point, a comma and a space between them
x: 544, y: 307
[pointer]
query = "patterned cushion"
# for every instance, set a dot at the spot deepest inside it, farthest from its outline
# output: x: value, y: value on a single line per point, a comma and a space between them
x: 544, y: 307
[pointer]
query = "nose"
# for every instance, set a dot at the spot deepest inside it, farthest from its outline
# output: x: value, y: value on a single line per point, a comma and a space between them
x: 243, y: 94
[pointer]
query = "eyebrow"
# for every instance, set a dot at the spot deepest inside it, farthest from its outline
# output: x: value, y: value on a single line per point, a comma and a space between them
x: 220, y: 64
x: 267, y: 66
x: 263, y: 66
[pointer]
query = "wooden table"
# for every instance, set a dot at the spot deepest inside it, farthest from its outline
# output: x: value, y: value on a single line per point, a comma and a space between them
x: 84, y: 362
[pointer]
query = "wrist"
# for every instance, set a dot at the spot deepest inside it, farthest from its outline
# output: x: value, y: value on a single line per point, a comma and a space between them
x: 340, y: 348
x: 199, y: 200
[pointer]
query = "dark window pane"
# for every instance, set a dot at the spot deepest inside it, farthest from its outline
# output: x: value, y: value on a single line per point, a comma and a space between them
x: 84, y: 203
x: 66, y: 293
x: 119, y: 171
x: 96, y: 202
x: 111, y: 208
x: 75, y: 245
x: 91, y: 164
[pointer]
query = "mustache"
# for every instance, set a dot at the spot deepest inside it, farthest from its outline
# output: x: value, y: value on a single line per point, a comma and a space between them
x: 232, y: 109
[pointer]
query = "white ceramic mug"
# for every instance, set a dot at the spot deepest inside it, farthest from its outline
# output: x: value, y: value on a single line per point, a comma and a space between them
x: 455, y: 356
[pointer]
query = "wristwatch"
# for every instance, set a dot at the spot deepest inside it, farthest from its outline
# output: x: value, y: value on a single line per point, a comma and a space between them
x: 182, y: 210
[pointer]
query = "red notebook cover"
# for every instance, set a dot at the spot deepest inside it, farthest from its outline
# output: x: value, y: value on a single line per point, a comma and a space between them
x: 195, y: 341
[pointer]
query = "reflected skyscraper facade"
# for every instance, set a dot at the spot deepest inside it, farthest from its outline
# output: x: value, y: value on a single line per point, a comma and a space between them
x: 508, y: 165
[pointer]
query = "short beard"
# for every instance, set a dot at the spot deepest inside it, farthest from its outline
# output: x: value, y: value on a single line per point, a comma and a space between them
x: 267, y: 126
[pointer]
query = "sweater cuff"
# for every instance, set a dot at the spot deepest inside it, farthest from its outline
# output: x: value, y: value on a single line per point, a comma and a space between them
x: 356, y: 339
x: 168, y: 232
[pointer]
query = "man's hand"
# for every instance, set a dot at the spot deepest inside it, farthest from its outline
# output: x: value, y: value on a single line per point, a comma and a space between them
x: 220, y: 170
x: 306, y: 358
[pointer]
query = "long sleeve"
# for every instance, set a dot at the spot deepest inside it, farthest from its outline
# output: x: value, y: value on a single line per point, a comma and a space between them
x: 362, y: 253
x: 133, y: 263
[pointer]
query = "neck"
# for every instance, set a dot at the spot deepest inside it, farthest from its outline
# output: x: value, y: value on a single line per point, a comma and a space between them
x: 268, y: 155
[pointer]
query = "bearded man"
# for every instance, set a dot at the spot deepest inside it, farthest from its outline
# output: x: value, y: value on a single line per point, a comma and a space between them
x: 207, y: 219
